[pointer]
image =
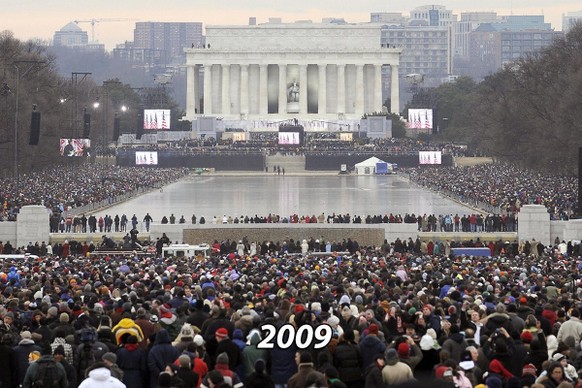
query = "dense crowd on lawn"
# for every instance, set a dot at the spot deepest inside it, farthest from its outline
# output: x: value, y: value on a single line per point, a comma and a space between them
x: 399, y: 316
x: 504, y: 186
x: 62, y: 187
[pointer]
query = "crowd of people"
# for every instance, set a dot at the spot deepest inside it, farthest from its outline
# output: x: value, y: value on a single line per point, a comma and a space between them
x: 503, y: 186
x: 399, y: 316
x: 61, y: 188
x: 268, y: 143
x: 474, y: 222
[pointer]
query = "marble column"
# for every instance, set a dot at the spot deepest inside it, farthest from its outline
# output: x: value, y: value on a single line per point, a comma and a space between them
x: 378, y: 88
x: 197, y: 89
x: 225, y: 89
x: 282, y: 88
x: 359, y: 108
x: 190, y: 93
x: 208, y: 89
x: 341, y: 88
x: 244, y: 89
x: 263, y: 93
x: 394, y: 90
x: 303, y: 89
x: 322, y: 89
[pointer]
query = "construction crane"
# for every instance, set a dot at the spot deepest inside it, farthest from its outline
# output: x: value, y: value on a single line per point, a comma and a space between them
x: 95, y: 21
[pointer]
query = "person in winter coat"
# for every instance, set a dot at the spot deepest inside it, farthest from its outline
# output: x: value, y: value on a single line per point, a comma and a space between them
x: 305, y: 369
x: 100, y: 377
x: 499, y: 319
x: 396, y: 372
x: 226, y: 345
x: 258, y: 378
x: 132, y: 360
x: 374, y: 377
x: 22, y: 350
x: 455, y: 344
x: 185, y: 338
x: 169, y: 321
x: 185, y: 372
x: 370, y: 346
x: 281, y: 368
x: 251, y: 354
x: 348, y: 360
x: 161, y: 354
x: 9, y: 370
x: 32, y: 373
x: 126, y: 327
x: 409, y: 353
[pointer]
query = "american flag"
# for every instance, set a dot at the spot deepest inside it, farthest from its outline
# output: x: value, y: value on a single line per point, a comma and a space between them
x: 418, y: 123
x: 154, y: 123
x: 164, y: 124
x: 426, y: 122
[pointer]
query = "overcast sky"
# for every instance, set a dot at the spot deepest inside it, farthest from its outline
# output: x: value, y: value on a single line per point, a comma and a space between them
x: 40, y: 19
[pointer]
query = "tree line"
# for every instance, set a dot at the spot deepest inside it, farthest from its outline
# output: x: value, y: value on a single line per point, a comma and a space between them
x: 528, y: 113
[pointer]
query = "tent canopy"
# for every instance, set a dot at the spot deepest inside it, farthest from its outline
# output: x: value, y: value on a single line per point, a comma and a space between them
x: 368, y: 166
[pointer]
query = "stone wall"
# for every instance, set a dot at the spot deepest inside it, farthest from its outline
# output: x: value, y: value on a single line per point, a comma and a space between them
x: 276, y: 232
x: 8, y: 232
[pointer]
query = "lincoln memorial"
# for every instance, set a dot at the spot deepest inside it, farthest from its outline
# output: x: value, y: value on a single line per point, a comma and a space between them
x: 290, y: 70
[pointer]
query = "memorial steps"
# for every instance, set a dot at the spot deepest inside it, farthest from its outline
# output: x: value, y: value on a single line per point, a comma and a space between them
x: 291, y: 164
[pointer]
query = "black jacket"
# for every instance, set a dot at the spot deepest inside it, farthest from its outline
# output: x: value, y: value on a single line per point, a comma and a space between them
x: 348, y: 361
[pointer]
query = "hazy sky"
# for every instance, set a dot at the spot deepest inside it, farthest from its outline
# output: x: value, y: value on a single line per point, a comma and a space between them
x: 40, y: 19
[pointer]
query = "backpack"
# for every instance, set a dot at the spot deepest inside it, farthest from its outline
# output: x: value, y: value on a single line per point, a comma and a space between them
x: 48, y: 374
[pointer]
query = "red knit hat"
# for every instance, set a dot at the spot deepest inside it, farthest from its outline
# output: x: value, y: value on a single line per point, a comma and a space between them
x: 496, y: 366
x: 403, y: 350
x: 526, y: 336
x: 529, y: 369
x: 373, y: 329
x: 222, y: 333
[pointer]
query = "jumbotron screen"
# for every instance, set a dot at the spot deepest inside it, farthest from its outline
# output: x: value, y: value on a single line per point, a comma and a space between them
x: 429, y: 157
x: 146, y: 158
x: 289, y: 138
x: 156, y: 119
x: 419, y: 118
x: 74, y: 147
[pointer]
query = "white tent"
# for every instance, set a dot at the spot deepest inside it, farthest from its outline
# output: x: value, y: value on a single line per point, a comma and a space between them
x: 368, y: 166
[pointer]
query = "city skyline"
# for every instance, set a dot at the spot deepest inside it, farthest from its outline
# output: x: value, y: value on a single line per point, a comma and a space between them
x: 27, y: 21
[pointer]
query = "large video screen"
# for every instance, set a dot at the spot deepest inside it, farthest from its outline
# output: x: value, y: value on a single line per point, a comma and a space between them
x: 75, y: 147
x: 420, y: 118
x: 146, y: 158
x: 429, y: 157
x: 156, y: 119
x: 289, y: 138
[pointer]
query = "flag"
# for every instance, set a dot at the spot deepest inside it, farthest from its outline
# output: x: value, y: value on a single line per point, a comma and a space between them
x: 154, y: 124
x: 164, y: 124
x: 418, y: 123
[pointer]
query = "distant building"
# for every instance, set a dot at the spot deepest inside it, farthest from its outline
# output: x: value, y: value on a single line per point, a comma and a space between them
x: 388, y: 18
x: 522, y: 23
x: 462, y: 29
x: 161, y: 43
x: 493, y: 45
x: 432, y: 15
x: 426, y: 50
x: 570, y: 19
x: 71, y: 35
